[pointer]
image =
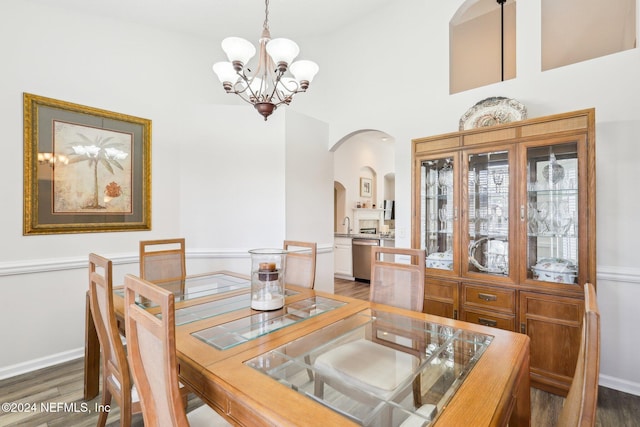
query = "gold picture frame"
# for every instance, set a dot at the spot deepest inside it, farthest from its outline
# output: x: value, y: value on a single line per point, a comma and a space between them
x: 85, y: 170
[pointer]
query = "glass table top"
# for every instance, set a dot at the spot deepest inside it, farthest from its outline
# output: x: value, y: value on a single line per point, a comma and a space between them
x: 193, y: 287
x: 257, y: 324
x: 378, y: 368
x: 198, y: 286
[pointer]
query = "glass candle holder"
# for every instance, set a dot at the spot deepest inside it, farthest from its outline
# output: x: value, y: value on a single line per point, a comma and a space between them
x: 267, y: 278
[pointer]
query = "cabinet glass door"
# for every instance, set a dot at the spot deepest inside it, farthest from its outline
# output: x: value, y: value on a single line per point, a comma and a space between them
x: 488, y: 183
x: 437, y: 212
x: 552, y: 213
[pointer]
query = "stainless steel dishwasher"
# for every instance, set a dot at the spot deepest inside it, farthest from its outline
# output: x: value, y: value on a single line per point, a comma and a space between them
x: 362, y: 258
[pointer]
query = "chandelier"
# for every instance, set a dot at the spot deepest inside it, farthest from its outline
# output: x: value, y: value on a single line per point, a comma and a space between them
x: 268, y: 87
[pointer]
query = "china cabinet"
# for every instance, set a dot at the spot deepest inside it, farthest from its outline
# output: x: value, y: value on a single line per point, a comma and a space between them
x: 506, y: 215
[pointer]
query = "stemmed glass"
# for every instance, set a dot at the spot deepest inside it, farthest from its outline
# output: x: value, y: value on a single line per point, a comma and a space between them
x: 442, y: 214
x: 563, y: 218
x: 445, y: 176
x: 543, y: 214
x: 431, y: 179
x: 442, y: 180
x: 498, y: 179
x: 432, y: 220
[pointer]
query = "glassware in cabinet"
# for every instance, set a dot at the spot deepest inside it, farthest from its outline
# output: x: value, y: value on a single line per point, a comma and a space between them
x: 552, y: 213
x: 488, y: 181
x: 438, y: 212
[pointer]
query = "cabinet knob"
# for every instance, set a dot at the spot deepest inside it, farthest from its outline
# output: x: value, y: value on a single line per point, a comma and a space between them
x: 522, y: 213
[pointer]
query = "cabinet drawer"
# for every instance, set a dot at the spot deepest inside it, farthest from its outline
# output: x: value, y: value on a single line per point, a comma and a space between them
x: 441, y: 297
x: 497, y: 299
x: 495, y: 320
x: 552, y: 308
x: 440, y: 290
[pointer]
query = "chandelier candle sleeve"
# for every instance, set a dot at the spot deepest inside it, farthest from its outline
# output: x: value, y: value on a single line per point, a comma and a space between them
x: 267, y: 86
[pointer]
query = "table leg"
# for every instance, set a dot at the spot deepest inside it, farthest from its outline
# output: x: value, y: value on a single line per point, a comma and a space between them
x: 521, y: 415
x: 91, y: 355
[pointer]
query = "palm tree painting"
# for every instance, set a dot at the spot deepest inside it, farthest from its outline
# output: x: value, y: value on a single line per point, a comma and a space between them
x: 98, y: 174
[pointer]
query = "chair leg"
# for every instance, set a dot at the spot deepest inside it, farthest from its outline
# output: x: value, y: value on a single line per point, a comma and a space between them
x: 184, y: 394
x: 417, y: 392
x: 318, y: 387
x: 125, y: 411
x: 104, y: 401
x: 307, y: 360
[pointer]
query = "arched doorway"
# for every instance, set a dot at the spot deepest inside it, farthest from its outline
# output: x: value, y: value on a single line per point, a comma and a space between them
x: 362, y: 157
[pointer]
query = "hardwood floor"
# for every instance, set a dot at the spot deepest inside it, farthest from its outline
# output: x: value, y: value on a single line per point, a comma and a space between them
x: 61, y: 385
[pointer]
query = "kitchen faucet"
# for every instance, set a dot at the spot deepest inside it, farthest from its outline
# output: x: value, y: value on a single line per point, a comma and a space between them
x: 348, y: 221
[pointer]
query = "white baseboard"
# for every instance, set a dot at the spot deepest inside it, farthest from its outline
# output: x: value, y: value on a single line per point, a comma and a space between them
x: 43, y: 362
x: 619, y: 384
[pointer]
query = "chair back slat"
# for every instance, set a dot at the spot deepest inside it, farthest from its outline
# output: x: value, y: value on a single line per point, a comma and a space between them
x: 396, y: 283
x: 580, y: 406
x: 115, y: 367
x: 301, y: 263
x: 162, y: 260
x: 104, y: 317
x: 151, y: 349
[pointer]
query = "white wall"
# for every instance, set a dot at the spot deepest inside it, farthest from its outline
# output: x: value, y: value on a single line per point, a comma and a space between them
x: 309, y: 190
x: 219, y: 173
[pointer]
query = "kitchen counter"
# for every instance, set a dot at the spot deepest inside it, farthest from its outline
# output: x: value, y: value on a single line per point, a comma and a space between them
x: 364, y: 236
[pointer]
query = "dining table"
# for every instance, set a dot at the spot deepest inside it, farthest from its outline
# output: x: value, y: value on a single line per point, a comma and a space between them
x: 268, y: 368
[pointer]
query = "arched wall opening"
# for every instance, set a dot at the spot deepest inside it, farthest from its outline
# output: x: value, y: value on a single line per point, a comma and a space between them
x: 364, y: 173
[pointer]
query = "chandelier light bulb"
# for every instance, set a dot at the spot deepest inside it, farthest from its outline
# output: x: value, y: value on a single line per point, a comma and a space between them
x: 239, y: 51
x: 304, y: 71
x: 226, y: 73
x: 282, y: 52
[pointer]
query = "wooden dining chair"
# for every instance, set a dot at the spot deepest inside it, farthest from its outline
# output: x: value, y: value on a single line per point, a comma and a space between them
x: 301, y: 263
x: 397, y: 283
x: 393, y: 283
x: 152, y: 354
x: 580, y: 406
x: 162, y: 260
x: 116, y: 379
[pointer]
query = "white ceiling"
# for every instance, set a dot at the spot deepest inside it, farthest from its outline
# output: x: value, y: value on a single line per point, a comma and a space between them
x: 216, y: 19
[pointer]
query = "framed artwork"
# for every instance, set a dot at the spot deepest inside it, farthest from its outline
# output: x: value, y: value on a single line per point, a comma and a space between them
x: 365, y: 187
x: 85, y: 169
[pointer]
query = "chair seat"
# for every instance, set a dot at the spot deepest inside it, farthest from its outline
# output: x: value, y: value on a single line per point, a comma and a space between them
x: 363, y: 363
x: 427, y: 411
x: 204, y: 416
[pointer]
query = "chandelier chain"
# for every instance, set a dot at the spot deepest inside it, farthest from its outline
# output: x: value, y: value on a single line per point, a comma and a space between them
x: 265, y: 25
